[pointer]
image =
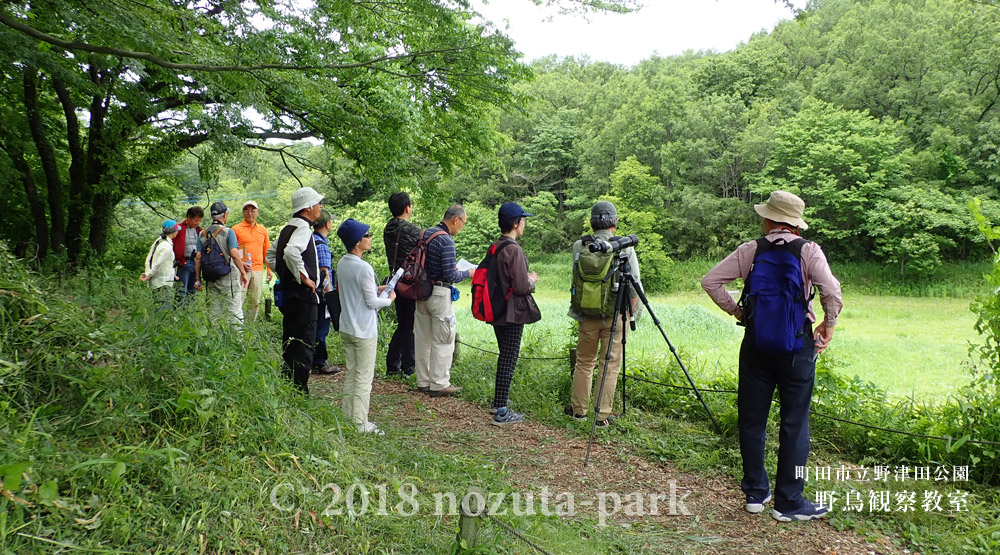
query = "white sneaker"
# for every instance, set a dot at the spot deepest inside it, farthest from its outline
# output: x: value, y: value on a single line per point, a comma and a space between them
x: 370, y: 428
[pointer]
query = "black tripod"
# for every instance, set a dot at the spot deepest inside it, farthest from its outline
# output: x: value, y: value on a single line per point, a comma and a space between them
x: 626, y: 283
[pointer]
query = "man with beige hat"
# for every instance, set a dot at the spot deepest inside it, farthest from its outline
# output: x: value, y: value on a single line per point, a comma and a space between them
x: 779, y: 347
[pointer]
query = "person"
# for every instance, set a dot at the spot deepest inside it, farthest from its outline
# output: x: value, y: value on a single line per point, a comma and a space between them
x: 434, y: 319
x: 254, y: 242
x: 399, y: 237
x: 793, y: 373
x: 360, y: 302
x: 187, y: 249
x: 225, y: 294
x: 513, y: 277
x: 159, y: 269
x: 321, y: 229
x: 594, y: 338
x: 293, y: 257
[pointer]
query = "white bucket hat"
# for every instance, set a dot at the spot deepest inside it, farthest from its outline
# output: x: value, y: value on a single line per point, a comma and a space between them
x: 783, y: 207
x: 304, y: 198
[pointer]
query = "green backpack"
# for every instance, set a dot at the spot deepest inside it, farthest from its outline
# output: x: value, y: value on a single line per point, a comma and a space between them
x: 592, y: 295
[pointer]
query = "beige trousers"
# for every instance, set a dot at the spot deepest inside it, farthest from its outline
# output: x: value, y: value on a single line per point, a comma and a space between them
x: 253, y: 294
x: 357, y: 392
x: 434, y: 339
x: 595, y: 333
x: 225, y: 298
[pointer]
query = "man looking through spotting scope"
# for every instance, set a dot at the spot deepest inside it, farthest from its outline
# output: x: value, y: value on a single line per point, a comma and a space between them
x: 779, y: 347
x: 592, y: 304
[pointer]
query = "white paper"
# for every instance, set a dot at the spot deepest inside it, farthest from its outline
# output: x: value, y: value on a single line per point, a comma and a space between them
x: 391, y: 285
x: 464, y: 265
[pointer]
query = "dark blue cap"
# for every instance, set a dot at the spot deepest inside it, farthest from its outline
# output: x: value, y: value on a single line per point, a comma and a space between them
x: 511, y: 211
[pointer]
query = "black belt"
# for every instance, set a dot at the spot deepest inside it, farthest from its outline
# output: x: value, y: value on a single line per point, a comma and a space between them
x: 442, y: 284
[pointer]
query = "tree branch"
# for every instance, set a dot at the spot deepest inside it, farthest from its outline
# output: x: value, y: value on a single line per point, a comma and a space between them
x: 84, y: 47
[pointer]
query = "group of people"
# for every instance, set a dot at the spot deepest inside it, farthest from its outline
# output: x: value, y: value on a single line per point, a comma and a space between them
x: 313, y: 295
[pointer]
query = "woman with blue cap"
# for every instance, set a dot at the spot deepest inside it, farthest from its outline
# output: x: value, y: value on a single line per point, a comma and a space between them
x: 514, y: 278
x: 359, y: 305
x: 159, y: 269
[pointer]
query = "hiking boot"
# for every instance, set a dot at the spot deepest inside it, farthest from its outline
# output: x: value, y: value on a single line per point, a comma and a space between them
x: 506, y: 416
x: 423, y: 390
x: 370, y: 428
x: 808, y: 511
x: 756, y: 505
x: 449, y: 391
x: 393, y: 372
x: 568, y: 411
x: 409, y: 371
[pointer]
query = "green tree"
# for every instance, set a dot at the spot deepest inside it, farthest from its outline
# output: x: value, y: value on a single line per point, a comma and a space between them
x: 94, y: 102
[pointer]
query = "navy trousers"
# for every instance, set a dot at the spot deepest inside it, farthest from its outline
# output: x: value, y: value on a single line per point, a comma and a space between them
x: 793, y: 375
x: 400, y: 355
x: 298, y: 339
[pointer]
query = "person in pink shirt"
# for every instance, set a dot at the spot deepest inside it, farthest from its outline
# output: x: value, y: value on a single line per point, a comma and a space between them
x: 762, y: 369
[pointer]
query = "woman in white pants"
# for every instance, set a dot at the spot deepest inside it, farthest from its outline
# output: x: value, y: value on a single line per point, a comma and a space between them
x: 359, y: 303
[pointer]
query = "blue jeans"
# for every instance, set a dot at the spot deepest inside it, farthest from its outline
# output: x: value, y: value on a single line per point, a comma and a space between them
x: 322, y: 330
x: 186, y: 279
x: 794, y: 376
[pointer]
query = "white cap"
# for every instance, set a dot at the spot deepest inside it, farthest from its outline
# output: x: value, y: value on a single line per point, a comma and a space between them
x: 304, y: 198
x: 250, y: 203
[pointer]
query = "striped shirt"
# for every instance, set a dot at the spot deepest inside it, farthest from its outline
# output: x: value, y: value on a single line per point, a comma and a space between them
x: 441, y: 258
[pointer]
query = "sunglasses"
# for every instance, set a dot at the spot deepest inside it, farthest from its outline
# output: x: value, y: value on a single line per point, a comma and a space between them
x: 368, y: 235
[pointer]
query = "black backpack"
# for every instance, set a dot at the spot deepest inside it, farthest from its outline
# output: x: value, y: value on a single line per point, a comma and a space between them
x: 214, y: 257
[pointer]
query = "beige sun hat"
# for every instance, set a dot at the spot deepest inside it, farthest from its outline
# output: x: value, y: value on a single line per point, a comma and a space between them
x: 783, y: 207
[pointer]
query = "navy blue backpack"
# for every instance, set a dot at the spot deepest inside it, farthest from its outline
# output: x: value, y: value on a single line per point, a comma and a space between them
x: 774, y: 300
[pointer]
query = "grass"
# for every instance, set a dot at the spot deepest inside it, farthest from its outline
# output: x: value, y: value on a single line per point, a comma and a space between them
x: 125, y: 430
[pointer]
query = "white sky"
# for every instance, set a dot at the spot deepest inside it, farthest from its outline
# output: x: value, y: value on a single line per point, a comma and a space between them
x: 665, y: 27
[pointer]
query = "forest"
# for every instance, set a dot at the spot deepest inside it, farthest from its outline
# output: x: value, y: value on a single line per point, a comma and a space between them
x: 883, y: 115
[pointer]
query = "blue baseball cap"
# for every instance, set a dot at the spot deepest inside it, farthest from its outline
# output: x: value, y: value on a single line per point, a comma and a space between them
x: 171, y: 226
x: 511, y: 211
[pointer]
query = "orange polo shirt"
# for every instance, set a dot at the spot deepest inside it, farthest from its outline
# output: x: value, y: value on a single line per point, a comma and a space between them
x: 255, y: 241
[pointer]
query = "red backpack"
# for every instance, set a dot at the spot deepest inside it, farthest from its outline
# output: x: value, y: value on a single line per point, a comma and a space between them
x: 415, y: 284
x: 489, y: 303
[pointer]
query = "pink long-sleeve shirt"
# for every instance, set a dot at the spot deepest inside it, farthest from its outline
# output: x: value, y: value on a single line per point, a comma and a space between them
x: 815, y: 271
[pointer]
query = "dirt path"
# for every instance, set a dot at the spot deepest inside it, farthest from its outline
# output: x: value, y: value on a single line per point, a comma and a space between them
x: 536, y: 456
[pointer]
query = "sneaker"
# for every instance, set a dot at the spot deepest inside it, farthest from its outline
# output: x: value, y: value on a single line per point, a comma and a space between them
x: 449, y: 391
x: 755, y: 505
x: 605, y: 422
x: 506, y: 416
x: 423, y: 390
x: 808, y: 511
x: 370, y: 428
x: 409, y: 371
x: 393, y: 372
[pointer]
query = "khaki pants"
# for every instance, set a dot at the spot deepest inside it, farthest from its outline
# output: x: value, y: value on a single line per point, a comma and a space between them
x: 595, y: 333
x: 434, y: 339
x: 225, y: 298
x: 357, y: 393
x: 253, y: 294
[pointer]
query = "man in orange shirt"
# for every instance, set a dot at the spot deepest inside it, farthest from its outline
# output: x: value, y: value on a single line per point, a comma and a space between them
x: 254, y: 243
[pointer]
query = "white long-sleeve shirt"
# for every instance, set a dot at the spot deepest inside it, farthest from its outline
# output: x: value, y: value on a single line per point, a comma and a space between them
x: 359, y: 301
x: 300, y: 240
x: 160, y: 264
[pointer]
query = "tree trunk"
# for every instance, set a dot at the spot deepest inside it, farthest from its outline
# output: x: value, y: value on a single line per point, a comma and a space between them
x: 57, y: 207
x: 78, y: 187
x: 34, y: 201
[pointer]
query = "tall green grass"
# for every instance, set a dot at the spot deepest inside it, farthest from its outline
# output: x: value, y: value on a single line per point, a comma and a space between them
x: 127, y: 430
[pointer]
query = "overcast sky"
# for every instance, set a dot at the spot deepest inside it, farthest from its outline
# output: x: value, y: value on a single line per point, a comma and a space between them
x: 663, y: 26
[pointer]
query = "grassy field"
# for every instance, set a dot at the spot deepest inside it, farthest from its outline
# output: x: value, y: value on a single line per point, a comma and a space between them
x: 907, y: 345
